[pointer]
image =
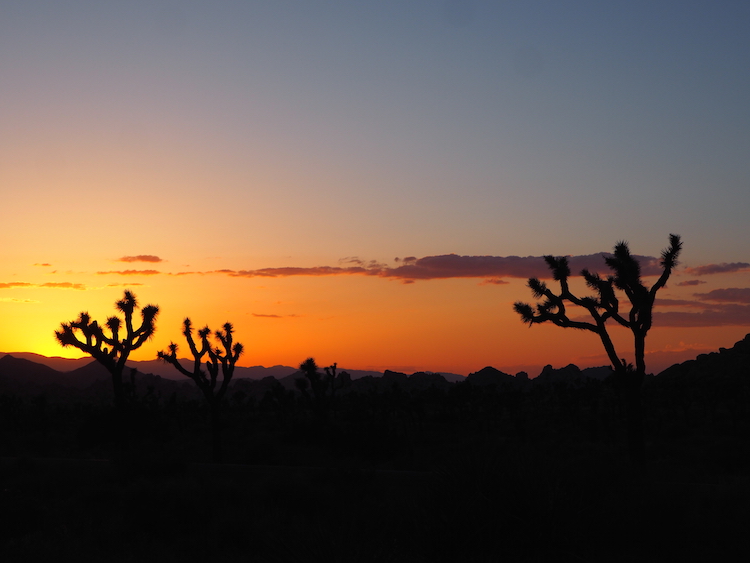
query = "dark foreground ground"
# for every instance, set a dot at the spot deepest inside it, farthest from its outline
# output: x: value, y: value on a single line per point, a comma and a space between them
x: 484, y: 500
x: 458, y: 473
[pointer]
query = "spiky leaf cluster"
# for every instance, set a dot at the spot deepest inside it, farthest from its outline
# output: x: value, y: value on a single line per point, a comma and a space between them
x: 113, y: 349
x: 604, y: 304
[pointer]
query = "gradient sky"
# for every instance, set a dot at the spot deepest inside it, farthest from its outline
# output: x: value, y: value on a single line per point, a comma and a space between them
x: 281, y: 155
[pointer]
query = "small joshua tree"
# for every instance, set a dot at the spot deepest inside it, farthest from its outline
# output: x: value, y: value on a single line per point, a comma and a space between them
x: 319, y: 385
x: 603, y: 306
x: 222, y: 359
x: 111, y: 350
x: 335, y: 379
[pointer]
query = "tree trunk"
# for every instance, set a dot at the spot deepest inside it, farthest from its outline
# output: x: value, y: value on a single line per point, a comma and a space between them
x: 634, y: 405
x: 118, y: 390
x: 634, y: 415
x: 216, y: 430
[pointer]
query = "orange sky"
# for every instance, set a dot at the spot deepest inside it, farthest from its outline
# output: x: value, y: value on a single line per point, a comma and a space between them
x: 280, y: 156
x: 366, y: 320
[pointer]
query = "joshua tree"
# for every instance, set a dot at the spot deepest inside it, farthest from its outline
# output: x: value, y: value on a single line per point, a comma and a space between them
x: 336, y: 380
x: 310, y: 370
x: 319, y: 384
x: 603, y: 306
x: 111, y: 351
x: 221, y: 359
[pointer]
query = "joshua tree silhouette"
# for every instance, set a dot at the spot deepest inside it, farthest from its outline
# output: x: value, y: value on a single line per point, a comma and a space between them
x: 319, y: 385
x: 111, y: 351
x: 218, y: 359
x: 605, y: 305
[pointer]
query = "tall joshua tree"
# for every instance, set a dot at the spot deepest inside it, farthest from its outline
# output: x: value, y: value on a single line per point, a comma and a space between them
x: 111, y: 350
x: 603, y: 306
x: 220, y: 359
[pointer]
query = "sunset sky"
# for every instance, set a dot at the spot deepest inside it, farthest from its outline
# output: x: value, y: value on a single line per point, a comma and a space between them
x: 352, y: 180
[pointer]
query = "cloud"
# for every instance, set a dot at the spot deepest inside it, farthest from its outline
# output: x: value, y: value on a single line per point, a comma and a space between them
x: 44, y: 264
x: 295, y: 271
x: 14, y: 300
x: 123, y: 284
x: 494, y: 281
x: 728, y: 295
x: 496, y: 267
x: 703, y: 314
x: 663, y: 302
x: 688, y: 283
x: 723, y: 268
x: 63, y: 285
x: 140, y: 258
x: 262, y: 316
x: 132, y: 272
x: 446, y: 266
x: 54, y: 285
x: 732, y: 315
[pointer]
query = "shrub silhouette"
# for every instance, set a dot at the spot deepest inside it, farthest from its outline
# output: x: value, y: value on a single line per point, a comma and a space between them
x: 218, y: 360
x: 602, y: 307
x: 111, y: 351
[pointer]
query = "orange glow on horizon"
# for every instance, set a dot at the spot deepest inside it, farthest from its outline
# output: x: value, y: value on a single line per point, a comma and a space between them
x: 360, y: 322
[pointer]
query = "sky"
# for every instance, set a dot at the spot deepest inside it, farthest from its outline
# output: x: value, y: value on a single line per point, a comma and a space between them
x: 371, y: 182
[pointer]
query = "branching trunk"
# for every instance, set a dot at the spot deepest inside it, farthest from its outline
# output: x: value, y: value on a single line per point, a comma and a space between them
x: 219, y: 361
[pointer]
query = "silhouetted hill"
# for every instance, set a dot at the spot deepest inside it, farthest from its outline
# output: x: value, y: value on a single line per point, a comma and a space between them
x: 734, y: 361
x: 54, y: 362
x: 491, y: 376
x: 571, y: 374
x: 167, y: 371
x: 85, y: 376
x: 17, y: 374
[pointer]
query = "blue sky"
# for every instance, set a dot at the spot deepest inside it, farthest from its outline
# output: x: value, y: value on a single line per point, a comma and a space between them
x: 252, y: 135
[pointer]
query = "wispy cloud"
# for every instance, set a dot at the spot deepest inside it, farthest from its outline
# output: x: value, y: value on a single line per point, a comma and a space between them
x: 728, y: 295
x: 723, y: 268
x: 688, y: 283
x: 131, y: 272
x: 14, y: 300
x: 296, y: 271
x: 492, y: 270
x: 445, y: 266
x: 45, y: 265
x: 665, y: 302
x: 140, y: 258
x: 723, y: 315
x: 54, y: 285
x: 63, y: 285
x: 494, y: 281
x: 720, y: 307
x: 262, y: 316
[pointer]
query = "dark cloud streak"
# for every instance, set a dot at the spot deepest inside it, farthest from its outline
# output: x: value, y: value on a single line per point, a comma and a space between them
x: 140, y: 258
x: 728, y: 295
x: 447, y: 266
x: 131, y: 272
x: 723, y: 268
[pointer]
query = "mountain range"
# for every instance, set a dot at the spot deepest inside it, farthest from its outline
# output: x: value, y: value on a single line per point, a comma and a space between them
x: 31, y: 374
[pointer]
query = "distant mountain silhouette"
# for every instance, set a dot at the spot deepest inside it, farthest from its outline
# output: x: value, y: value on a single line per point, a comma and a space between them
x: 491, y: 376
x: 19, y: 373
x: 418, y: 380
x: 572, y: 374
x: 27, y: 373
x: 725, y: 362
x: 54, y: 362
